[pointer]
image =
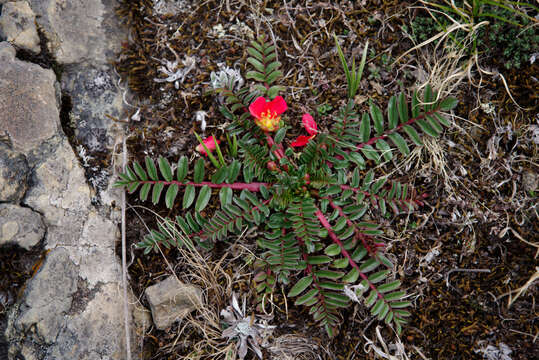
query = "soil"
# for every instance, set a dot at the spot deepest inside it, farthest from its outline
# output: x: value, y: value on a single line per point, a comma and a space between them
x: 459, y: 256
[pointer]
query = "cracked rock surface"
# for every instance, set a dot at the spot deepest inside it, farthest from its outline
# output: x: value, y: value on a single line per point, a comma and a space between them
x: 13, y: 174
x: 72, y: 306
x: 20, y: 226
x: 17, y: 25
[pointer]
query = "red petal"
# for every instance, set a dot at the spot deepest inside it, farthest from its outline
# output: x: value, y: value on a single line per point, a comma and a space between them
x: 309, y: 124
x: 278, y: 105
x: 258, y: 107
x: 302, y: 140
x: 210, y: 144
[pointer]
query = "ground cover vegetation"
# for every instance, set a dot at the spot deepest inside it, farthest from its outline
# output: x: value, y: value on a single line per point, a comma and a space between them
x: 307, y: 205
x: 452, y: 257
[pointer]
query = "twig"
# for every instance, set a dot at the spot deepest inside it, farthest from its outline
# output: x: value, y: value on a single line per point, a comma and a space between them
x: 124, y: 265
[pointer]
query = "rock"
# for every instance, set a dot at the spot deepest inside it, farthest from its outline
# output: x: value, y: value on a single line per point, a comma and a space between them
x: 72, y: 308
x: 47, y: 298
x: 95, y: 333
x: 94, y: 97
x: 13, y: 174
x: 96, y: 250
x: 28, y: 104
x: 59, y: 185
x: 20, y: 226
x: 530, y: 180
x: 18, y: 26
x: 78, y: 30
x: 171, y: 300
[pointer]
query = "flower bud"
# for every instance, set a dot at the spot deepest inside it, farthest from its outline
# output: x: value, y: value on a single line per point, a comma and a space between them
x: 272, y: 166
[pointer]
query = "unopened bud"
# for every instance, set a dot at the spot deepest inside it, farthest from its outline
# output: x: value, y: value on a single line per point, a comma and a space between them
x: 307, y: 179
x: 272, y: 166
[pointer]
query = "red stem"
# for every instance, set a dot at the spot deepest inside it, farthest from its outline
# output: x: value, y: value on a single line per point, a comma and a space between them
x: 279, y: 153
x: 345, y: 253
x: 361, y: 236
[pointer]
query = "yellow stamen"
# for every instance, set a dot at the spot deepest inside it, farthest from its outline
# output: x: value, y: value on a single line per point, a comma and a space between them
x: 268, y: 121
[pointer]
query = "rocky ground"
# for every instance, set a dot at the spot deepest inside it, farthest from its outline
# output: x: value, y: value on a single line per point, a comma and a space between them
x: 76, y: 75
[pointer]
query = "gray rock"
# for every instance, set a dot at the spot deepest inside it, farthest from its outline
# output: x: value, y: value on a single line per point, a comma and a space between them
x: 96, y: 250
x: 48, y: 298
x: 13, y: 174
x: 20, y: 226
x: 18, y: 26
x: 95, y: 333
x: 59, y: 190
x: 78, y: 30
x: 94, y: 97
x: 28, y: 104
x: 171, y: 300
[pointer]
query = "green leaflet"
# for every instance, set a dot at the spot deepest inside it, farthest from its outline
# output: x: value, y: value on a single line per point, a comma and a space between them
x: 170, y: 196
x: 300, y: 286
x: 203, y: 198
x: 188, y: 196
x: 152, y: 170
x: 165, y: 169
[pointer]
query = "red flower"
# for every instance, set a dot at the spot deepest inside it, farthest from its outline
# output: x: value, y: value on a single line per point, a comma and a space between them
x: 266, y: 114
x: 210, y: 144
x: 310, y: 125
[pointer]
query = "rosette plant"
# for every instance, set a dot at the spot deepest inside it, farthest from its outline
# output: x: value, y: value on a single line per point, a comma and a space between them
x: 307, y: 200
